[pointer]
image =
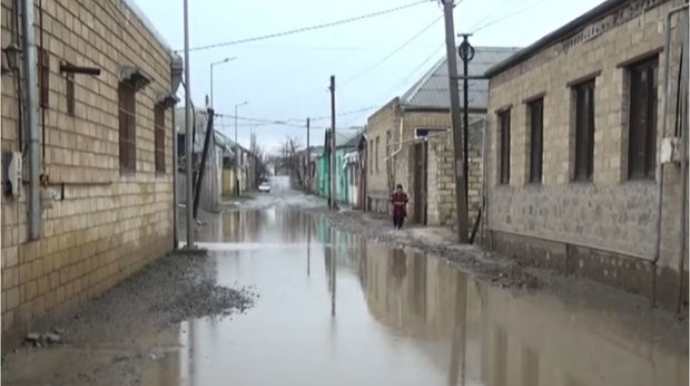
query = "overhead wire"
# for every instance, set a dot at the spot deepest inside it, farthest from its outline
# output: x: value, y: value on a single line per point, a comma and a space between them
x: 510, y: 13
x: 310, y: 28
x: 392, y: 53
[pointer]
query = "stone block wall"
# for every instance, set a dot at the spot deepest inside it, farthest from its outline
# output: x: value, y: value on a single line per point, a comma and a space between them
x: 383, y: 124
x: 610, y: 213
x: 441, y: 178
x: 104, y: 226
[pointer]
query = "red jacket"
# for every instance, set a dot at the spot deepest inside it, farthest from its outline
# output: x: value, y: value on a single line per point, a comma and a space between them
x: 399, y: 201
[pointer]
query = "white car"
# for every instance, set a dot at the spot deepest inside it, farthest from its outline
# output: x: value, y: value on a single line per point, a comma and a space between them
x: 264, y: 187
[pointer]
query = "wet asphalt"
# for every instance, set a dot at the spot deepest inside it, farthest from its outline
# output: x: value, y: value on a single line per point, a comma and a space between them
x: 333, y: 308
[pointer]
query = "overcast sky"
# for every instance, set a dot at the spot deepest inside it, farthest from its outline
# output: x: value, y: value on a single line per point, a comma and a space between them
x: 287, y: 77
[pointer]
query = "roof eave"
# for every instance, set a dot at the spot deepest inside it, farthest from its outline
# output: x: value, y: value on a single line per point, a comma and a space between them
x: 554, y: 37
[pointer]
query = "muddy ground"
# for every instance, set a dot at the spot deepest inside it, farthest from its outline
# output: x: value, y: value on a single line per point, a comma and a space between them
x: 127, y: 327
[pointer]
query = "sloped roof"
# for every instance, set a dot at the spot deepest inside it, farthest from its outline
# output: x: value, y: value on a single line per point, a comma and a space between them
x: 431, y: 91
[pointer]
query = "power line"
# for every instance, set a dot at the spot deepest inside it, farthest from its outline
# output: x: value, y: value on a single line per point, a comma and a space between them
x: 510, y: 13
x: 310, y: 28
x: 392, y: 53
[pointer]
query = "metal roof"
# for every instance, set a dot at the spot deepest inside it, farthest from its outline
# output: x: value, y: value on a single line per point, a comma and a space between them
x: 431, y: 91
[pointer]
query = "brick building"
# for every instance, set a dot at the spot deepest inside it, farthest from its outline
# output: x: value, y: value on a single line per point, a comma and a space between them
x: 105, y: 156
x: 577, y: 176
x: 408, y: 135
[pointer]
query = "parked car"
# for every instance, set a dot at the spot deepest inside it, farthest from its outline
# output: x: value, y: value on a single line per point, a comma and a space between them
x: 264, y: 187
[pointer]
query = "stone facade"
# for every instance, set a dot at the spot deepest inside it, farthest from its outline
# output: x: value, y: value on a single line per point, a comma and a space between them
x: 396, y: 166
x: 606, y: 228
x: 383, y: 124
x: 104, y: 226
x: 441, y: 178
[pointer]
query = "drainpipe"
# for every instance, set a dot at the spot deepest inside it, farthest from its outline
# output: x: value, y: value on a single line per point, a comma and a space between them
x: 175, y: 178
x: 666, y: 91
x: 30, y: 83
x: 684, y: 160
x: 485, y: 203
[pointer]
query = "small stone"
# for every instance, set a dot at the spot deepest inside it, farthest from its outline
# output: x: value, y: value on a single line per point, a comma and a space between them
x: 38, y: 345
x: 153, y: 356
x: 33, y: 337
x: 59, y: 331
x: 53, y: 338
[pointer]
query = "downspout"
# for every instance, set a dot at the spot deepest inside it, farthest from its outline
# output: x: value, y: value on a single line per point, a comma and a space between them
x: 660, y: 199
x: 683, y: 111
x: 34, y: 150
x: 391, y: 184
x: 175, y: 177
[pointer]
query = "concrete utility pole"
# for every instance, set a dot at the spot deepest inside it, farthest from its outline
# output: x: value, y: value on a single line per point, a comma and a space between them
x: 188, y: 130
x: 307, y: 177
x: 334, y: 170
x: 460, y: 175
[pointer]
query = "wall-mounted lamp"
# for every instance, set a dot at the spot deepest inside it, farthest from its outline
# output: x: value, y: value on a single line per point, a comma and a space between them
x: 11, y: 63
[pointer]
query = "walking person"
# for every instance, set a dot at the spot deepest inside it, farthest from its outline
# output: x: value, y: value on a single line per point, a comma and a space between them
x: 399, y: 202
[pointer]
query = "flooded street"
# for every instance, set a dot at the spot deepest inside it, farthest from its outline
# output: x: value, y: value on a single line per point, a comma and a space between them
x: 335, y: 309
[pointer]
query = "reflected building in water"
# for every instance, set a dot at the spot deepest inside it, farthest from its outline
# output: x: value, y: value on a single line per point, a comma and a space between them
x: 497, y: 338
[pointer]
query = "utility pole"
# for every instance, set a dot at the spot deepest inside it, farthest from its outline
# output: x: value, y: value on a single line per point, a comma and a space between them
x: 466, y: 52
x: 307, y: 177
x: 460, y: 175
x: 333, y: 170
x: 188, y: 130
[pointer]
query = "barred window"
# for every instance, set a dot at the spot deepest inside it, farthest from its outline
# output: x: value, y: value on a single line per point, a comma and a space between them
x: 584, y: 131
x: 504, y: 127
x: 643, y: 117
x: 536, y: 111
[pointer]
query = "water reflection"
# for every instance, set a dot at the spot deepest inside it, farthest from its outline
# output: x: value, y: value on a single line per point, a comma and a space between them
x: 386, y: 316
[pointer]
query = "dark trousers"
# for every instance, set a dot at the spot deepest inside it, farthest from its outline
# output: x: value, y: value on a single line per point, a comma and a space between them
x: 398, y: 220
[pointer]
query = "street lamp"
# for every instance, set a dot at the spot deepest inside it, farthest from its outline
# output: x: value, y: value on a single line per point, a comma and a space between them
x: 237, y: 151
x: 214, y: 64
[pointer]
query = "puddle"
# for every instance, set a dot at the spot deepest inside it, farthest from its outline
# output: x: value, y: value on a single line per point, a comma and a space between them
x: 335, y: 309
x: 338, y: 310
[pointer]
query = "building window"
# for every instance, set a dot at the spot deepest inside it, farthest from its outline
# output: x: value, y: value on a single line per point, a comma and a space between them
x: 71, y: 102
x: 584, y: 131
x: 159, y: 137
x: 127, y: 114
x: 536, y: 115
x: 388, y: 143
x: 43, y: 77
x: 504, y: 127
x: 643, y: 117
x: 377, y: 154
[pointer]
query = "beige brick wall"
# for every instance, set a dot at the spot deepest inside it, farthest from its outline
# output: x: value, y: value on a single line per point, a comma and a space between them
x: 611, y: 212
x: 106, y: 226
x: 384, y: 121
x: 441, y: 178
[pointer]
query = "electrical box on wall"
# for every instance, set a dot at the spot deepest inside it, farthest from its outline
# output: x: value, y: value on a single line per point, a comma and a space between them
x: 12, y: 174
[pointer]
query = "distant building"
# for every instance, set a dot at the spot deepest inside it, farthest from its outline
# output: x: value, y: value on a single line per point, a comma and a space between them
x: 399, y: 135
x: 579, y: 176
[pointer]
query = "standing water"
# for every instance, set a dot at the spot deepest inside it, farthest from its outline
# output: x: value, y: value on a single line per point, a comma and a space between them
x: 335, y: 309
